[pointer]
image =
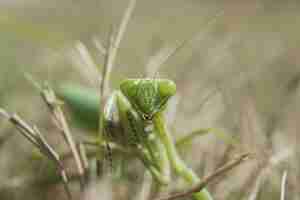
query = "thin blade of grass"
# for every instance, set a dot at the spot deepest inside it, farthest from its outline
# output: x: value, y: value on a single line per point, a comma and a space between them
x: 103, y: 90
x: 83, y: 155
x: 124, y: 23
x: 114, y: 44
x: 162, y: 56
x: 47, y: 149
x: 188, y: 139
x: 24, y: 129
x: 90, y: 66
x: 4, y: 114
x: 283, y: 183
x: 100, y: 47
x: 35, y: 84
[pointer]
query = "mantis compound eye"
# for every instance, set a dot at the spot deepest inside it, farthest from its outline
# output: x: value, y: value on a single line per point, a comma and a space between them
x: 148, y: 96
x: 147, y: 117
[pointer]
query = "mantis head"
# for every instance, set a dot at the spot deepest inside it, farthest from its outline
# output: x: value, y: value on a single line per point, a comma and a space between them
x: 148, y: 96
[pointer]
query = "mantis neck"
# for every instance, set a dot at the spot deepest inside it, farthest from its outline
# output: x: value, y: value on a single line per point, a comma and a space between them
x: 176, y: 162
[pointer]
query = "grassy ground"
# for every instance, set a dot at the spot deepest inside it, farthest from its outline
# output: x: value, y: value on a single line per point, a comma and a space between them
x: 240, y: 75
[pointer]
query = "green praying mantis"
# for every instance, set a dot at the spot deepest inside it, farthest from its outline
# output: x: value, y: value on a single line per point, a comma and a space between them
x: 133, y: 117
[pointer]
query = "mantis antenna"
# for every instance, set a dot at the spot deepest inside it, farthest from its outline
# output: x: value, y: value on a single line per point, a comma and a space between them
x: 156, y: 75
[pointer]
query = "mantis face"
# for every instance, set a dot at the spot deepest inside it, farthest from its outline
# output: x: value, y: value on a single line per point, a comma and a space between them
x: 148, y: 96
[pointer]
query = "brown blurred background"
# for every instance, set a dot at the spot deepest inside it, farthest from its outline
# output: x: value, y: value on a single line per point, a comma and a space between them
x: 240, y: 74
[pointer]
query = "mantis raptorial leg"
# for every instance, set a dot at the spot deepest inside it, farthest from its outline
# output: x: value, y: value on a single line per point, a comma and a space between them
x: 177, y: 163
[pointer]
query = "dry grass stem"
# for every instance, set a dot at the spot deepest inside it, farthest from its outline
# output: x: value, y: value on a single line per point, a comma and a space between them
x: 113, y: 46
x: 100, y: 47
x: 54, y: 106
x: 283, y: 184
x: 273, y: 162
x: 162, y: 56
x: 208, y: 179
x: 35, y: 137
x: 89, y: 67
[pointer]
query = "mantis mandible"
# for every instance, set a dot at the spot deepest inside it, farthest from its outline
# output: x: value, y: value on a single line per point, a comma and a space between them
x: 133, y: 117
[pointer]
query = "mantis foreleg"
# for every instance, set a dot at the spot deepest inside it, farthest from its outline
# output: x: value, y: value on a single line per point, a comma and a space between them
x: 177, y: 163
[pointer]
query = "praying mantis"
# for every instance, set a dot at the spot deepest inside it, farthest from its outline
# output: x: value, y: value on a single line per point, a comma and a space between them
x: 133, y: 117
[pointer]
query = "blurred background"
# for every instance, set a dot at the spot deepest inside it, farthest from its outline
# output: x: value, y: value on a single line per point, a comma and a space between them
x: 239, y: 73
